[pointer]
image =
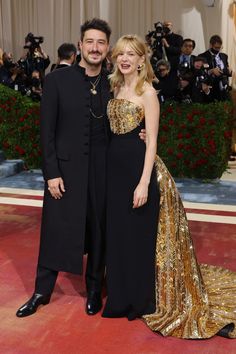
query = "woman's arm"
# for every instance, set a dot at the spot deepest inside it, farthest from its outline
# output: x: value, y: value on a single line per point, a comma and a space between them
x: 152, y: 110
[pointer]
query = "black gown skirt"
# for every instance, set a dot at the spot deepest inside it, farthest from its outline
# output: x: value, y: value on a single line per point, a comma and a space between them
x: 131, y: 233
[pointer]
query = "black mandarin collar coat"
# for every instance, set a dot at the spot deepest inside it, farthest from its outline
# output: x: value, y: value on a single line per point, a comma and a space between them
x: 65, y: 137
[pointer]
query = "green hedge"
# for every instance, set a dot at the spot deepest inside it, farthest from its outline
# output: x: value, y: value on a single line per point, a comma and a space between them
x: 19, y: 127
x: 194, y: 140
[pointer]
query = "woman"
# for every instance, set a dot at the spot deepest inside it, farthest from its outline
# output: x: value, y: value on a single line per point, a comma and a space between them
x: 151, y: 266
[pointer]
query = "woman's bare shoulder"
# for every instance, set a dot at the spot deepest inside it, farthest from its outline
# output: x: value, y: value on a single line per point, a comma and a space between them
x: 149, y: 91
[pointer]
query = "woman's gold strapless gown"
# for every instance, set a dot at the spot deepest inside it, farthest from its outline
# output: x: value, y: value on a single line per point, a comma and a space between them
x: 192, y: 300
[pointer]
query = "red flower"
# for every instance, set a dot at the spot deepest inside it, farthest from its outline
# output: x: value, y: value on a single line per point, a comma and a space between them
x: 212, y: 122
x: 6, y: 145
x: 170, y: 151
x: 202, y: 120
x: 20, y: 150
x: 180, y: 136
x: 169, y: 109
x: 171, y: 122
x: 180, y: 146
x: 190, y: 117
x: 187, y: 135
x: 187, y: 147
x: 180, y: 155
x: 165, y: 127
x: 37, y: 122
x: 196, y: 112
x: 211, y: 142
x: 178, y: 111
x: 21, y: 119
x: 201, y: 162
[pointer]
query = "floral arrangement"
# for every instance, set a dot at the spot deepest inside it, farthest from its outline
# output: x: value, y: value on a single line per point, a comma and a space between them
x: 19, y: 127
x: 194, y: 139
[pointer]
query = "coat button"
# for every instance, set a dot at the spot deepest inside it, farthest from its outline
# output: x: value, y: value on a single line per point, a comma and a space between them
x: 85, y: 153
x: 86, y: 143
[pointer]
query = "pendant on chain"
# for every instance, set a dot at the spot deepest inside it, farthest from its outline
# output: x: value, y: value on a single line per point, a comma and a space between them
x: 93, y: 91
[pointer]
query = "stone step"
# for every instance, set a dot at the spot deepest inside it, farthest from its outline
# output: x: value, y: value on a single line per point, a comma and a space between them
x: 11, y: 167
x: 2, y: 156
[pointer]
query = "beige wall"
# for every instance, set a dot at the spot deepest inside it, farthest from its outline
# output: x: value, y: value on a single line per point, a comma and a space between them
x: 59, y: 20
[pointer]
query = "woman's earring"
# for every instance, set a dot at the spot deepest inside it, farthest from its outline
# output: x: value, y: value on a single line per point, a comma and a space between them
x: 140, y: 67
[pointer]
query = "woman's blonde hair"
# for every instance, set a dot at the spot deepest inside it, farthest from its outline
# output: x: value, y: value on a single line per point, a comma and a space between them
x: 145, y: 74
x: 1, y: 54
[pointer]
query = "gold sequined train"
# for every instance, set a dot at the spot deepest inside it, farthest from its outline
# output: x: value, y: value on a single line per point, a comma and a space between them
x: 192, y: 301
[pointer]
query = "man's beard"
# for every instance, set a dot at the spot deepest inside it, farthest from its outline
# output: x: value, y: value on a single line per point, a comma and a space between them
x: 88, y: 61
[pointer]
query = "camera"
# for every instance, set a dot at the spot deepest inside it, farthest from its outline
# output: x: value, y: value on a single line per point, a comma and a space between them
x: 161, y: 30
x: 185, y: 72
x: 32, y: 42
x: 202, y: 77
x: 158, y: 29
x: 224, y: 83
x: 12, y: 66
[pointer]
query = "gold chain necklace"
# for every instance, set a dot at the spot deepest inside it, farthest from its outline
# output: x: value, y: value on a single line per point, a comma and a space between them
x: 94, y: 115
x: 94, y: 85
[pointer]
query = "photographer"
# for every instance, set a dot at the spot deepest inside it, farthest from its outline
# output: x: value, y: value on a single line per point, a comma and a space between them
x: 185, y: 82
x: 219, y: 70
x: 186, y: 58
x: 36, y: 86
x: 166, y: 44
x: 11, y: 74
x: 201, y: 86
x: 34, y: 58
x: 166, y: 82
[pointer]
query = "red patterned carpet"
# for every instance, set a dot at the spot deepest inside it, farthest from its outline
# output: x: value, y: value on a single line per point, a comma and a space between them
x: 63, y: 326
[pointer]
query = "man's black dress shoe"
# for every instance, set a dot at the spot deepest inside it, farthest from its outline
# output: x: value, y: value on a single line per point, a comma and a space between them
x: 94, y: 303
x: 32, y: 304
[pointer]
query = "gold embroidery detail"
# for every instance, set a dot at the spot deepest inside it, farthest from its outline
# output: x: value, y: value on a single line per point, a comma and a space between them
x: 192, y: 301
x: 124, y: 115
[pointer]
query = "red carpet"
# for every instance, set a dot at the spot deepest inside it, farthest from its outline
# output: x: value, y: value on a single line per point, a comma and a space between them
x: 62, y: 326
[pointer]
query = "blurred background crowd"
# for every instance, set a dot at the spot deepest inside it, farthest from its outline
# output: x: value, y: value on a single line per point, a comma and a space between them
x: 180, y: 75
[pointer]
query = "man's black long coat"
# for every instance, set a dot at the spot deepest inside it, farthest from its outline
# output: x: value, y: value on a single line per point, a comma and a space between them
x: 65, y: 137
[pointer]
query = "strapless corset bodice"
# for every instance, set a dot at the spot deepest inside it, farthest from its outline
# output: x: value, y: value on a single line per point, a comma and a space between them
x: 124, y: 115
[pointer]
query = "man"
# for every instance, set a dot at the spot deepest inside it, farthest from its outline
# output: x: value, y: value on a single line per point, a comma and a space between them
x: 12, y: 75
x: 171, y: 43
x: 219, y: 70
x: 201, y: 87
x: 34, y: 57
x: 186, y: 58
x: 66, y: 56
x: 74, y: 137
x: 166, y: 83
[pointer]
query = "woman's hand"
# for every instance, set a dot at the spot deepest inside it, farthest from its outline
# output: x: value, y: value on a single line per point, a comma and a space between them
x: 140, y: 195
